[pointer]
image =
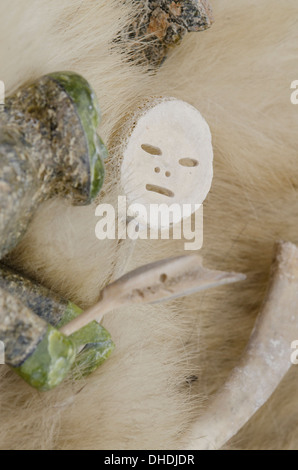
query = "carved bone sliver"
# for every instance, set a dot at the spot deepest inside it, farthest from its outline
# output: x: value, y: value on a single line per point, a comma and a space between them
x: 263, y: 366
x: 167, y: 159
x: 156, y: 282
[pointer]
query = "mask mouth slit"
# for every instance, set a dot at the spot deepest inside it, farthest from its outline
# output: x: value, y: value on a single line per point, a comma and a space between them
x: 160, y: 190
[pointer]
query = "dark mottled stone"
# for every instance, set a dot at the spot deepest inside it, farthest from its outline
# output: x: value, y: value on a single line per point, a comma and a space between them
x: 48, y: 147
x: 42, y: 301
x: 50, y: 363
x: 161, y: 24
x: 94, y: 339
x: 20, y: 330
x: 19, y: 189
x: 40, y: 354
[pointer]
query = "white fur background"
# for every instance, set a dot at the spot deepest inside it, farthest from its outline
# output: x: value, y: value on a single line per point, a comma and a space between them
x: 238, y: 74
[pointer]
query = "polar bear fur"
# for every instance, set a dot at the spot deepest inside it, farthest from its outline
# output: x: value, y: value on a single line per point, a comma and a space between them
x: 238, y: 74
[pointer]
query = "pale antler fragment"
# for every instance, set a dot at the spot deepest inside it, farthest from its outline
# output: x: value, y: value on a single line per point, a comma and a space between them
x: 263, y: 366
x: 155, y: 282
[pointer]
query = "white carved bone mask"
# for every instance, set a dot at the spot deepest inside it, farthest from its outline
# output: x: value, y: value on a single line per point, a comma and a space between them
x: 168, y: 157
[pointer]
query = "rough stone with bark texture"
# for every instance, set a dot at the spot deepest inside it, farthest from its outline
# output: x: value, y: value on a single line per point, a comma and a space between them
x: 161, y: 24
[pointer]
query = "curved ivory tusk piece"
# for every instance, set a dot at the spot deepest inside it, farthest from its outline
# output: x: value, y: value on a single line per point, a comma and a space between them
x: 263, y: 366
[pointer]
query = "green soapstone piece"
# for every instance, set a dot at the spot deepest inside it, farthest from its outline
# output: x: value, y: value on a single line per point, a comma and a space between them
x: 93, y: 338
x: 92, y: 344
x: 48, y: 147
x: 50, y: 363
x: 85, y: 100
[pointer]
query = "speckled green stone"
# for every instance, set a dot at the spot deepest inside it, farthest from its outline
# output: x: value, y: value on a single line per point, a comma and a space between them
x: 50, y: 363
x: 48, y: 147
x: 20, y: 329
x: 42, y: 301
x: 92, y: 343
x: 41, y: 355
x: 97, y: 347
x: 85, y: 100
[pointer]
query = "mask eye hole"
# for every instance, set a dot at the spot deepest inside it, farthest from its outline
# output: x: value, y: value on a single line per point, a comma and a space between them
x: 189, y: 162
x: 151, y: 149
